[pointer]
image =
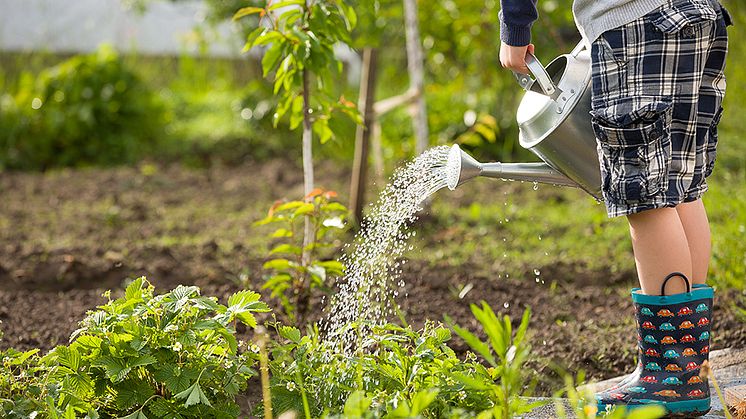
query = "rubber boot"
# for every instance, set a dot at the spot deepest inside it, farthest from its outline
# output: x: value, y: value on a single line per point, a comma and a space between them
x: 674, y: 341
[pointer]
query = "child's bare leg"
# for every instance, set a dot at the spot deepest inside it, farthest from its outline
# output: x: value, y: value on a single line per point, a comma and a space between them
x: 660, y: 246
x: 693, y: 217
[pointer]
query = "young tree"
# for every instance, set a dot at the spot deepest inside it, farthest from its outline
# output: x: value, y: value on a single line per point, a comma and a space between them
x: 300, y: 36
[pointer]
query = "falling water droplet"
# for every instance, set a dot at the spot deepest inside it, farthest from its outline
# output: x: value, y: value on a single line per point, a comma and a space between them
x: 536, y: 186
x: 537, y: 272
x: 506, y: 305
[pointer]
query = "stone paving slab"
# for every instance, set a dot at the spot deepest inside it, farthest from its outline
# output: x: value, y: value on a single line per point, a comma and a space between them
x: 728, y: 365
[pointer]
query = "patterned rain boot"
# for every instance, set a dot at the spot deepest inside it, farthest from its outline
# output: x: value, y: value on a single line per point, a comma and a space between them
x: 674, y: 340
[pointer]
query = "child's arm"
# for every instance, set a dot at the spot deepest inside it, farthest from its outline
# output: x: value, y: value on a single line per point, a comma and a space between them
x: 516, y: 18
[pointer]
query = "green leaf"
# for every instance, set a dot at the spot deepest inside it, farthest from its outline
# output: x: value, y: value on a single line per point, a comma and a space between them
x: 163, y: 408
x: 193, y: 395
x: 175, y: 378
x: 289, y: 205
x: 335, y: 206
x: 477, y: 345
x: 321, y: 128
x: 132, y: 392
x: 89, y: 342
x: 278, y: 283
x: 252, y: 37
x: 285, y: 248
x: 206, y: 303
x: 442, y: 334
x: 281, y: 233
x: 272, y: 56
x: 134, y: 289
x: 296, y: 117
x: 242, y: 303
x: 290, y: 333
x: 278, y: 264
x: 68, y: 357
x: 422, y: 400
x: 243, y: 298
x: 267, y: 37
x: 332, y: 266
x: 117, y: 369
x: 357, y: 404
x: 306, y: 208
x: 22, y: 357
x: 247, y: 11
x: 349, y: 14
x: 473, y: 382
x: 286, y: 3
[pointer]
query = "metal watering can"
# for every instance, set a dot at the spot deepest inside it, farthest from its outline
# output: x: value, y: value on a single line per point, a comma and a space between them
x: 554, y: 123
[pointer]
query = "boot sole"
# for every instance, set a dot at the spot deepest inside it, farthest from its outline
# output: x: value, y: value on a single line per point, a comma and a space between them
x: 674, y: 410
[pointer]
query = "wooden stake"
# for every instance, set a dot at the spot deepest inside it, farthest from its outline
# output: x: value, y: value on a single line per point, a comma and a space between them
x: 415, y: 64
x: 362, y: 135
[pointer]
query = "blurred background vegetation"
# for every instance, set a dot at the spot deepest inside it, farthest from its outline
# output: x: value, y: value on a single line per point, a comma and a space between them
x: 111, y: 108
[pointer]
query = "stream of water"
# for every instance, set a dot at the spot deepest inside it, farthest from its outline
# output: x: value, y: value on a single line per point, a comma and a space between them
x: 367, y: 292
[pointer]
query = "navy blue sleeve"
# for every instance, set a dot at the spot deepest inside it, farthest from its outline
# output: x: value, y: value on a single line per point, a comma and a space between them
x: 516, y: 18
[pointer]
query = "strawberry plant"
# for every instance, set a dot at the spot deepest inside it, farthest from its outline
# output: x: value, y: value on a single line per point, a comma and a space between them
x: 293, y: 277
x: 19, y: 387
x: 144, y: 355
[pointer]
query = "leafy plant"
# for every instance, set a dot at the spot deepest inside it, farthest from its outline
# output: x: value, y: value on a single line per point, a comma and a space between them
x: 88, y: 110
x: 299, y: 37
x: 19, y: 386
x: 146, y: 355
x: 293, y: 277
x: 506, y: 354
x: 395, y: 372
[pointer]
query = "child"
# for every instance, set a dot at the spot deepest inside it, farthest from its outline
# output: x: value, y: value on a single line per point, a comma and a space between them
x: 658, y: 84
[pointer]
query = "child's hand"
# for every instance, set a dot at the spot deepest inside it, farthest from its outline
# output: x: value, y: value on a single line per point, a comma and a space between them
x: 514, y: 58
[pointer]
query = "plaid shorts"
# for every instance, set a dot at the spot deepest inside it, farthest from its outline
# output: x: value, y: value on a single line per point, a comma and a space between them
x: 658, y: 85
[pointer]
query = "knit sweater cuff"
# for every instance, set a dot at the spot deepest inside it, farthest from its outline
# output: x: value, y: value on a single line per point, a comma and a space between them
x: 515, y: 35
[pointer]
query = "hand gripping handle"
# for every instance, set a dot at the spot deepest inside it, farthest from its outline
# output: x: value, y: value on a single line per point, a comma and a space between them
x: 541, y: 76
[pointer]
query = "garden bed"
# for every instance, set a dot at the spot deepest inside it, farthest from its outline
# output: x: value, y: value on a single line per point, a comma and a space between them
x: 67, y: 236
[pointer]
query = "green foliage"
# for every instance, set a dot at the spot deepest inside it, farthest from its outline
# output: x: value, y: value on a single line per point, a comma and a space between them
x: 88, y: 110
x: 506, y: 353
x: 19, y: 387
x: 142, y: 355
x: 394, y: 372
x: 294, y: 278
x: 299, y: 40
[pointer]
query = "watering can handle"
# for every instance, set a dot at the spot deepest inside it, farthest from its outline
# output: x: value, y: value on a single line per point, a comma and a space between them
x: 541, y: 75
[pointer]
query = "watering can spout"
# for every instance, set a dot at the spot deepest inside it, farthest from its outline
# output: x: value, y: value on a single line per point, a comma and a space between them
x: 463, y: 167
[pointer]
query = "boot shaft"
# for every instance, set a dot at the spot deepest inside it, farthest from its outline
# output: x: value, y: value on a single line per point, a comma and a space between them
x: 674, y: 341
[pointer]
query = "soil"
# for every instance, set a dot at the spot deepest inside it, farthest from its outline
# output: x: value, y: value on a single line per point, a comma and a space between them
x: 67, y: 236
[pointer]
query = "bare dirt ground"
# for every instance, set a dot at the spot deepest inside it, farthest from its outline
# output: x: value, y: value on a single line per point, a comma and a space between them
x: 67, y: 236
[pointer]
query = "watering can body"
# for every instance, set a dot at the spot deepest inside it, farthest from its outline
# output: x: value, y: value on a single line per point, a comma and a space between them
x: 554, y: 123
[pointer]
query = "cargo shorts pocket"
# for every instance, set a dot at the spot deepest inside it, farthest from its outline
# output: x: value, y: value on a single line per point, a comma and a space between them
x: 712, y: 142
x: 634, y: 145
x: 684, y: 17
